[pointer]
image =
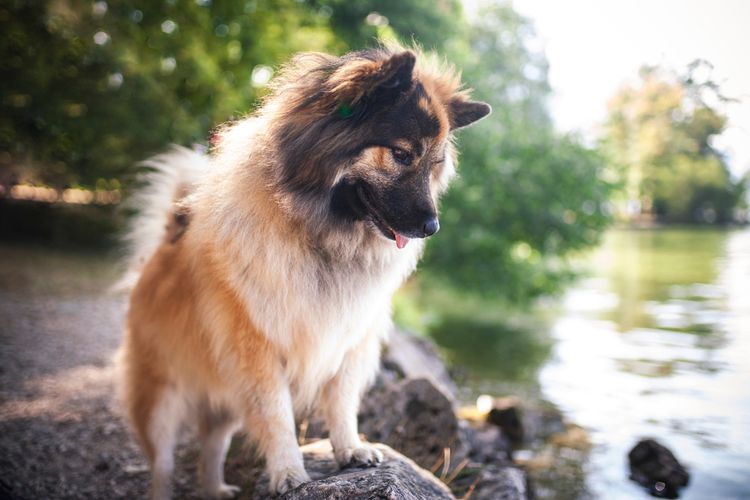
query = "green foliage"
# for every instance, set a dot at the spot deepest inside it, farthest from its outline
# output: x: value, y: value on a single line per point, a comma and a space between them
x: 90, y: 89
x: 659, y: 134
x: 526, y: 196
x: 359, y: 23
x: 54, y: 81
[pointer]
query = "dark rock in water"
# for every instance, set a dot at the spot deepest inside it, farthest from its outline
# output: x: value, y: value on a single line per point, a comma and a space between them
x: 656, y: 468
x: 508, y: 418
x: 397, y: 478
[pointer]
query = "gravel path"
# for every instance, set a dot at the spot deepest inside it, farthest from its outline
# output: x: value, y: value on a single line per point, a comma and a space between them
x: 61, y: 434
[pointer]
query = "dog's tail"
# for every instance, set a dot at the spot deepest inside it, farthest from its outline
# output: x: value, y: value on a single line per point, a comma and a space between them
x: 168, y: 178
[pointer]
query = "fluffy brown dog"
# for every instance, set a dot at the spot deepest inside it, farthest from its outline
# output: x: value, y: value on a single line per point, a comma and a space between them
x: 269, y: 292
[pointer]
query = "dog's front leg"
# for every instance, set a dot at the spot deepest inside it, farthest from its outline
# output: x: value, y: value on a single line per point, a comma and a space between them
x: 341, y: 399
x: 269, y: 418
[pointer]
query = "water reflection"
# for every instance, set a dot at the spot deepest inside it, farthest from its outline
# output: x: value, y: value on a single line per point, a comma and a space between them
x: 657, y: 343
x: 499, y: 357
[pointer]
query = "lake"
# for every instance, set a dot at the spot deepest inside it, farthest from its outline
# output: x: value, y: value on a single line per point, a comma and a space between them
x: 653, y: 341
x: 656, y: 342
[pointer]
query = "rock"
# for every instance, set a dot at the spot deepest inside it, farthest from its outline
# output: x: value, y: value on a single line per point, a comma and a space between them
x: 540, y: 422
x: 417, y: 357
x: 524, y: 423
x: 655, y: 467
x: 497, y: 482
x: 397, y: 478
x: 415, y: 418
x: 487, y: 443
x: 506, y: 415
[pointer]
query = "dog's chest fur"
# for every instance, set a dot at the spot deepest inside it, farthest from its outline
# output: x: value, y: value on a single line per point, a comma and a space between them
x: 314, y: 307
x: 316, y: 314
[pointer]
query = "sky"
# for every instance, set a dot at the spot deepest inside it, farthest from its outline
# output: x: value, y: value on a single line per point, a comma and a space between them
x: 595, y: 46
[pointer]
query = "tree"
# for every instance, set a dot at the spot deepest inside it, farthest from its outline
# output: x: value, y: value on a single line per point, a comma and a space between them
x: 660, y: 133
x: 359, y: 23
x: 91, y: 89
x: 526, y: 197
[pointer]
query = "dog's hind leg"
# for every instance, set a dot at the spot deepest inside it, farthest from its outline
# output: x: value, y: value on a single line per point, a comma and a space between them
x: 215, y: 427
x: 156, y: 412
x: 164, y: 425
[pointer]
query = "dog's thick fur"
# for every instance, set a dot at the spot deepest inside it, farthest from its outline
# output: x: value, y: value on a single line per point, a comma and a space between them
x: 268, y: 293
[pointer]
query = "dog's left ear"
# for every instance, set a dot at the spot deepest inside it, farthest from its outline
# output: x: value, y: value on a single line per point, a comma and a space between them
x: 395, y: 73
x: 356, y: 80
x: 463, y: 112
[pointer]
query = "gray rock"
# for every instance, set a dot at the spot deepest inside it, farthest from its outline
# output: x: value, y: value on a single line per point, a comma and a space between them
x: 496, y: 482
x: 397, y: 478
x: 541, y: 422
x: 415, y: 418
x: 417, y: 357
x: 487, y: 444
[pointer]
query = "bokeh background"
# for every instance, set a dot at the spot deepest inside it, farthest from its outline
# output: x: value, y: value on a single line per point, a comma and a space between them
x: 594, y: 252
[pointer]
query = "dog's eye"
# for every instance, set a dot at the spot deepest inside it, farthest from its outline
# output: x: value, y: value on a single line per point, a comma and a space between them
x: 401, y: 156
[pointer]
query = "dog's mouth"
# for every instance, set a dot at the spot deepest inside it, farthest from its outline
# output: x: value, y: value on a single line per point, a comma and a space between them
x: 379, y: 221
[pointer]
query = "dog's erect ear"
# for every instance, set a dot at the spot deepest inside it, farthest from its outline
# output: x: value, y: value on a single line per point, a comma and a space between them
x: 358, y: 79
x: 396, y: 73
x: 463, y: 112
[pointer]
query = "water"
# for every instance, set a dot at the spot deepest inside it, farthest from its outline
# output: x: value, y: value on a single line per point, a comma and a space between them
x: 656, y: 342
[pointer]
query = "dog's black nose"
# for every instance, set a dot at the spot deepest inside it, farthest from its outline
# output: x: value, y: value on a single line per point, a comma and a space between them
x: 431, y: 226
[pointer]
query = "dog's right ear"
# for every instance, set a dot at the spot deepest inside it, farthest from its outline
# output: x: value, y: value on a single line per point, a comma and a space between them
x: 357, y: 79
x: 464, y: 112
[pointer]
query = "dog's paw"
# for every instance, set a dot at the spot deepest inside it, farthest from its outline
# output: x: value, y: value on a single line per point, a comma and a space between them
x: 364, y: 455
x: 223, y: 491
x: 287, y: 480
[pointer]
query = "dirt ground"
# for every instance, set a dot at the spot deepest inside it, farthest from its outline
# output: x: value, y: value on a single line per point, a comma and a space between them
x: 61, y: 433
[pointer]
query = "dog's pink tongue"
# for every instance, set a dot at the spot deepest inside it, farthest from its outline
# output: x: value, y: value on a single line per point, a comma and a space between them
x: 401, y: 241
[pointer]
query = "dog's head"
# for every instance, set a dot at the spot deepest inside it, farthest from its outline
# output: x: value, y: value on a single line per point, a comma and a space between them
x: 372, y: 132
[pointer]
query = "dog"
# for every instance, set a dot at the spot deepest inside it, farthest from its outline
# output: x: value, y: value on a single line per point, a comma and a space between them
x: 265, y: 270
